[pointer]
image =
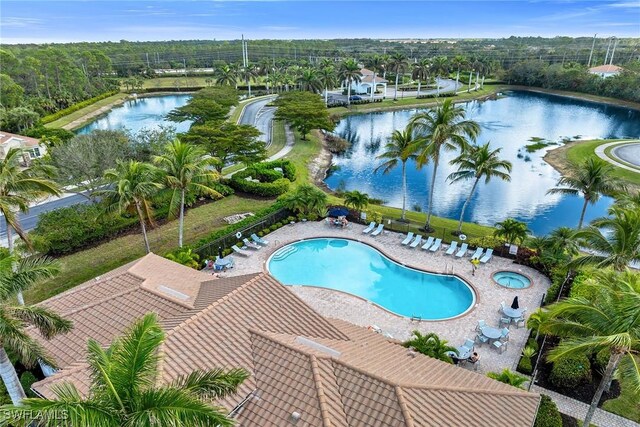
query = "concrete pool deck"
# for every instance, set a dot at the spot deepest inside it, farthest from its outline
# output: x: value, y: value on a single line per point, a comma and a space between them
x: 355, y: 310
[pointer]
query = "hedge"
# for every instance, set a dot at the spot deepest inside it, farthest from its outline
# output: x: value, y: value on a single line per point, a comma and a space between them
x: 27, y: 379
x: 272, y: 183
x: 569, y: 372
x: 75, y: 107
x: 548, y: 414
x: 525, y: 365
x: 435, y: 95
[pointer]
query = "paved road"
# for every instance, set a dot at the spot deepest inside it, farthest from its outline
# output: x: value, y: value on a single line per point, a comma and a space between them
x: 259, y: 115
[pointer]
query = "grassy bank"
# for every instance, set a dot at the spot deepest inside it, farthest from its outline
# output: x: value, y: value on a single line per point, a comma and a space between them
x: 626, y: 405
x: 174, y: 82
x: 103, y: 104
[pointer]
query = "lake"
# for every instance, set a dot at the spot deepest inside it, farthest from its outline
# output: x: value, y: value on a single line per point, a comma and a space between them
x: 508, y: 122
x: 144, y: 112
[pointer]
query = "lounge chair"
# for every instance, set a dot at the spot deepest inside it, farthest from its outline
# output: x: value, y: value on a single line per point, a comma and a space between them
x: 436, y: 245
x: 259, y: 240
x: 477, y: 253
x: 487, y: 256
x: 463, y: 250
x: 378, y: 230
x: 250, y: 244
x: 468, y: 344
x: 481, y: 339
x: 240, y: 251
x: 417, y: 241
x: 452, y: 247
x: 408, y: 238
x: 428, y: 244
x: 481, y: 324
x: 371, y: 226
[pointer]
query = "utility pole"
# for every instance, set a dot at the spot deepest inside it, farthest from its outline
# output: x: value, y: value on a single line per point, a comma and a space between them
x: 593, y: 45
x: 606, y: 57
x: 245, y: 62
x: 184, y: 63
x: 148, y: 66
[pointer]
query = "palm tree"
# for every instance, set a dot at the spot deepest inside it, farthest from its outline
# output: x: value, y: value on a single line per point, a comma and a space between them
x: 608, y: 321
x: 377, y: 64
x: 591, y: 179
x: 225, y: 74
x: 306, y: 199
x: 17, y: 276
x: 475, y: 163
x: 511, y: 230
x: 248, y: 74
x: 398, y: 64
x: 613, y: 241
x: 442, y: 127
x: 400, y: 148
x: 186, y: 170
x: 125, y: 391
x: 266, y: 65
x: 356, y: 200
x: 430, y: 345
x: 421, y: 72
x: 327, y: 78
x: 132, y: 184
x: 439, y: 67
x: 349, y: 72
x: 458, y: 62
x: 508, y: 377
x: 309, y: 80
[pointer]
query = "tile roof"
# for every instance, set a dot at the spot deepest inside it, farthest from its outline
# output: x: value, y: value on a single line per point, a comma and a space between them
x: 367, y: 77
x: 329, y: 372
x: 27, y: 140
x: 606, y: 69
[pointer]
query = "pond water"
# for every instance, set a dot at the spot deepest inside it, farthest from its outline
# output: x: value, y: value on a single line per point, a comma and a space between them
x: 508, y: 122
x: 145, y: 112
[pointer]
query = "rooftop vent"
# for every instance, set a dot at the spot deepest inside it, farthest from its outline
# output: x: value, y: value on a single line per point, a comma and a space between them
x: 170, y: 291
x: 295, y: 417
x: 317, y: 346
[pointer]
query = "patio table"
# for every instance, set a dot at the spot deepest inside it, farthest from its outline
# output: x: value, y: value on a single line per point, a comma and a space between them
x: 463, y: 352
x: 491, y: 333
x: 222, y: 262
x: 514, y: 313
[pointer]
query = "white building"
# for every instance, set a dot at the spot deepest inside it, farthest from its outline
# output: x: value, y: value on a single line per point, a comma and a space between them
x: 605, y: 71
x: 32, y: 149
x: 368, y: 81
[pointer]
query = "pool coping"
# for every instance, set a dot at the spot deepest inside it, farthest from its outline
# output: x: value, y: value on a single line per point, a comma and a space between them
x: 472, y: 307
x: 531, y: 282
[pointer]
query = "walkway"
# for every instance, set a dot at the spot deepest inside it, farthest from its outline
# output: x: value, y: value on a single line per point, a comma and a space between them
x: 600, y: 152
x: 578, y: 410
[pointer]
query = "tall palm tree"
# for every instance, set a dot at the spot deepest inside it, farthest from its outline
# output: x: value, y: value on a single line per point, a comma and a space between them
x: 349, y: 72
x: 186, y: 170
x: 356, y: 200
x: 400, y: 148
x: 608, y: 321
x: 440, y: 67
x: 475, y: 163
x: 132, y: 185
x: 430, y: 345
x: 591, y: 179
x: 458, y: 62
x: 398, y: 64
x: 442, y: 127
x: 513, y: 231
x: 225, y: 74
x: 18, y: 276
x: 613, y: 241
x: 309, y: 80
x: 265, y: 67
x: 420, y: 72
x: 508, y: 377
x: 328, y: 79
x: 125, y: 391
x: 249, y: 74
x: 376, y: 63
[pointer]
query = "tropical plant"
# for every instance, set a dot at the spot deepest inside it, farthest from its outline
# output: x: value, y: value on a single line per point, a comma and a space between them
x: 356, y: 200
x: 609, y: 320
x: 513, y: 231
x: 440, y: 67
x: 327, y: 78
x: 591, y: 179
x: 186, y: 171
x: 132, y: 185
x: 508, y: 377
x: 430, y: 345
x: 398, y: 64
x: 420, y: 72
x: 226, y: 75
x: 349, y: 72
x: 558, y: 248
x: 477, y: 162
x: 17, y: 276
x: 443, y: 127
x: 125, y: 389
x: 458, y: 62
x: 185, y: 256
x: 305, y: 199
x: 400, y: 148
x: 377, y: 63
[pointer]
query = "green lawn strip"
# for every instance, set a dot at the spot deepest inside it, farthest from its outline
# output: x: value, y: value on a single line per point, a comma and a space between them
x: 63, y: 121
x: 84, y: 265
x: 170, y: 82
x: 625, y: 405
x: 278, y: 138
x: 580, y: 151
x: 302, y: 153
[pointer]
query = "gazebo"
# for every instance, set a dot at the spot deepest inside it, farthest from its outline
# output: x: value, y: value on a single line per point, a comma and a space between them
x: 369, y: 83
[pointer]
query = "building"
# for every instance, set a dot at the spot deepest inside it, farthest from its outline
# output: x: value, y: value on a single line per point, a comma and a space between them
x: 605, y: 71
x: 368, y: 81
x: 306, y: 370
x: 32, y: 149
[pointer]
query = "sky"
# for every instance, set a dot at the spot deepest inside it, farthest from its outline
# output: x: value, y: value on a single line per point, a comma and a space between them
x: 28, y: 21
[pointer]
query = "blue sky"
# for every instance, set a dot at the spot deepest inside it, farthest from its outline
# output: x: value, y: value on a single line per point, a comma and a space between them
x: 29, y: 21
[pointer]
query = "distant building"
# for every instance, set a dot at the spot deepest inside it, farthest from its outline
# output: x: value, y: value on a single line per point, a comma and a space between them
x: 32, y: 149
x: 605, y: 71
x: 368, y: 81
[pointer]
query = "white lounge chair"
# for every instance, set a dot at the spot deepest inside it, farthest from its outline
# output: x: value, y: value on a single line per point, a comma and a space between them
x: 378, y: 230
x: 371, y: 226
x: 452, y: 248
x: 250, y: 244
x: 408, y: 238
x: 259, y: 240
x: 436, y: 245
x: 477, y: 253
x: 463, y: 250
x: 428, y: 244
x: 487, y: 256
x: 417, y: 241
x: 240, y: 251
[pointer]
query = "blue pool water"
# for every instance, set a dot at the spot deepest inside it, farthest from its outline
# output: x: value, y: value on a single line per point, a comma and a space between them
x: 511, y: 279
x: 361, y: 270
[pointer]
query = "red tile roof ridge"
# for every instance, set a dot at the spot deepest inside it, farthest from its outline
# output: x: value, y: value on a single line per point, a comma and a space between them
x: 324, y: 411
x: 406, y: 414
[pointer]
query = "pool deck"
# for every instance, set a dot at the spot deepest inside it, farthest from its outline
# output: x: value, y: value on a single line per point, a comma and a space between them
x: 353, y: 309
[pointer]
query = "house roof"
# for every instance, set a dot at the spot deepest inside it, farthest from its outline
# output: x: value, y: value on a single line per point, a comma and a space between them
x: 606, y: 69
x: 6, y: 137
x: 367, y: 76
x: 330, y: 372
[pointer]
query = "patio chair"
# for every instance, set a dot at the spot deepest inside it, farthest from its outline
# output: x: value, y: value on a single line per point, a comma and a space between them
x: 408, y: 238
x: 452, y: 248
x: 259, y: 240
x: 505, y: 335
x: 240, y: 251
x: 436, y: 245
x: 477, y: 253
x: 481, y: 324
x: 505, y: 321
x: 251, y: 245
x: 500, y: 346
x: 520, y: 320
x: 487, y: 256
x: 463, y: 250
x: 371, y: 226
x: 481, y: 339
x: 468, y: 344
x: 417, y: 241
x: 378, y: 230
x: 429, y: 243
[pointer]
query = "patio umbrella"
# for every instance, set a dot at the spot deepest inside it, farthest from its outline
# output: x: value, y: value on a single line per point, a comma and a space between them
x: 338, y: 211
x: 515, y: 304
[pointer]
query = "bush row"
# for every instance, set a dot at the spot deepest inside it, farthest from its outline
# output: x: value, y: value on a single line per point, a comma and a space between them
x: 356, y: 102
x: 75, y: 107
x: 272, y: 182
x: 435, y: 95
x: 548, y: 414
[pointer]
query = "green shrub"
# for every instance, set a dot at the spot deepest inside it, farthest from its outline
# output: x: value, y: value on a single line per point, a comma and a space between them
x: 581, y: 288
x: 485, y: 242
x: 525, y: 366
x: 533, y: 344
x: 75, y: 107
x: 312, y: 216
x: 569, y: 372
x: 548, y: 414
x: 272, y: 183
x: 185, y: 256
x: 601, y: 360
x: 274, y: 227
x: 27, y: 379
x: 557, y: 277
x: 4, y: 395
x: 291, y: 219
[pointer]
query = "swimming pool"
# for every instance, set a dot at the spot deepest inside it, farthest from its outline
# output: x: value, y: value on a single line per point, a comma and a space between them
x: 358, y: 269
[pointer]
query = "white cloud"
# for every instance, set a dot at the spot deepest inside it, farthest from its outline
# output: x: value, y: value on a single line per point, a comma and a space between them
x: 17, y: 22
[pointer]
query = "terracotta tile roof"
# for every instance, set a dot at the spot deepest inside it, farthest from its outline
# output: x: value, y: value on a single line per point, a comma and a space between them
x: 27, y: 140
x: 606, y: 69
x: 367, y: 77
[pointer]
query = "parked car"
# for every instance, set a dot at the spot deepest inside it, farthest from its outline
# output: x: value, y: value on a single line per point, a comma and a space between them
x: 355, y: 98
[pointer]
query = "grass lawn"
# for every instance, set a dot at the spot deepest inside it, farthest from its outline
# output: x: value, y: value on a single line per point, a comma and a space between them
x: 175, y: 82
x: 63, y: 121
x: 84, y: 265
x: 578, y: 152
x: 626, y: 405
